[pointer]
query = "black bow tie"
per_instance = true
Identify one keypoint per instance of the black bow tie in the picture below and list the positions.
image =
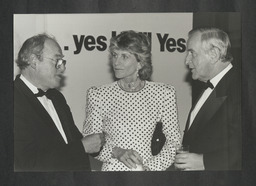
(208, 84)
(42, 93)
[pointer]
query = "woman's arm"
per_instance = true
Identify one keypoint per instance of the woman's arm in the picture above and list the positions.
(94, 123)
(171, 130)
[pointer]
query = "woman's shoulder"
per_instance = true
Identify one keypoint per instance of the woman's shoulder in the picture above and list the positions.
(103, 88)
(161, 86)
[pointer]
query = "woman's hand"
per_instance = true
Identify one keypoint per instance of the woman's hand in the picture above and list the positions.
(128, 157)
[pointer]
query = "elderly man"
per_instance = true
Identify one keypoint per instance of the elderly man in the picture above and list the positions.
(213, 129)
(45, 136)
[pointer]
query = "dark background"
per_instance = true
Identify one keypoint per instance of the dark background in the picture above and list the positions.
(246, 177)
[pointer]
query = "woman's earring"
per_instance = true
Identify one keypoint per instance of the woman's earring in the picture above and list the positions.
(138, 68)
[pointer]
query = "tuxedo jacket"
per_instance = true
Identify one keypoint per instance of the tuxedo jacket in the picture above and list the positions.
(216, 129)
(38, 145)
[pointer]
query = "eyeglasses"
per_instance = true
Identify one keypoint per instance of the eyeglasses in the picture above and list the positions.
(59, 62)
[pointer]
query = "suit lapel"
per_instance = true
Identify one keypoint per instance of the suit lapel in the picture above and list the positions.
(211, 106)
(207, 111)
(193, 106)
(61, 111)
(44, 116)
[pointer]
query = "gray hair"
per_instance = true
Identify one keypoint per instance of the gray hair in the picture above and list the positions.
(33, 45)
(214, 37)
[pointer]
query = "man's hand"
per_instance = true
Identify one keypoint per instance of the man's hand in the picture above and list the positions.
(189, 161)
(128, 157)
(92, 143)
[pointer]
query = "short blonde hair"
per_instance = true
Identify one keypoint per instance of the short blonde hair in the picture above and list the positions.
(137, 44)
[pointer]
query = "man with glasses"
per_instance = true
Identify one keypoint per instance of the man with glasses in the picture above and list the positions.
(45, 136)
(213, 129)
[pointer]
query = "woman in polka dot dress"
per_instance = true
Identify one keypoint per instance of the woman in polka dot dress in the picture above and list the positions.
(127, 110)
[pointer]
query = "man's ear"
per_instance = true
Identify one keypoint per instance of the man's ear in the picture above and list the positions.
(33, 61)
(214, 54)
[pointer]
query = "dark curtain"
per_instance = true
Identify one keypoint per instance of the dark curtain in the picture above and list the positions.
(237, 178)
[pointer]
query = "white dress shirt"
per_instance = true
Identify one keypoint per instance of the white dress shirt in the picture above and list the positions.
(48, 105)
(207, 93)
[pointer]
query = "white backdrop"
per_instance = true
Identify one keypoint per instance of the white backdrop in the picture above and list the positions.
(90, 66)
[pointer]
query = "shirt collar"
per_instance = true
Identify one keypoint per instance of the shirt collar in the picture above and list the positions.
(218, 77)
(30, 85)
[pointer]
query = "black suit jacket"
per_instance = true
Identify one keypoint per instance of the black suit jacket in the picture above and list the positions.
(216, 130)
(38, 145)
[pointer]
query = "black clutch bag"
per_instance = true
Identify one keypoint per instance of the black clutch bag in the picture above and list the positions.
(158, 139)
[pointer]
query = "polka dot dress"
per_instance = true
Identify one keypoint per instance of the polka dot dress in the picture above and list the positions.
(129, 119)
